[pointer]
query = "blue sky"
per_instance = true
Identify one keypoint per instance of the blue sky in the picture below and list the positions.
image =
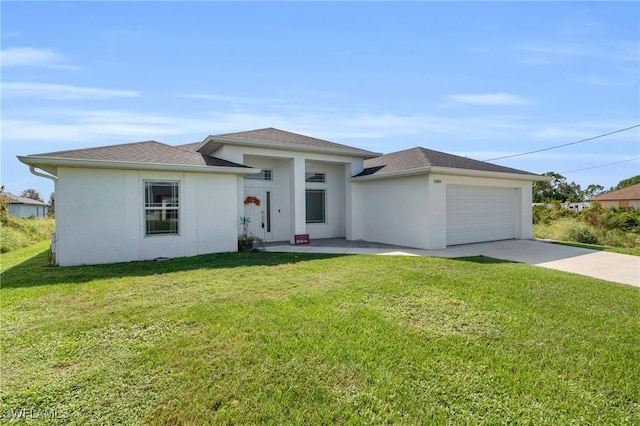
(478, 79)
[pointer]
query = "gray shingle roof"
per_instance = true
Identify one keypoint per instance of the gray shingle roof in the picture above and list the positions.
(629, 193)
(150, 152)
(14, 199)
(188, 146)
(271, 134)
(416, 158)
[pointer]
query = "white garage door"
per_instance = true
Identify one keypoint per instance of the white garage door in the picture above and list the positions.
(476, 214)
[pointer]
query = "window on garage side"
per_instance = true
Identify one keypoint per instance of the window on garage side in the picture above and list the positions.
(316, 205)
(161, 208)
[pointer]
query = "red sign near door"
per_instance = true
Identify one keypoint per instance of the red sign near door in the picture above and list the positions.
(301, 239)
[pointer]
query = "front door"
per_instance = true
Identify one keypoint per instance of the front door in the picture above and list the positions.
(255, 208)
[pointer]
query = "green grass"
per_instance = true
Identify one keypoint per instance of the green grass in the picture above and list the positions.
(266, 338)
(20, 233)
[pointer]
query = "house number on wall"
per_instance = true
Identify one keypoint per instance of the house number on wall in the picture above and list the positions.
(437, 181)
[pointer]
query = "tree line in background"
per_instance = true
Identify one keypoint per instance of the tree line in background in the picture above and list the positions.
(559, 190)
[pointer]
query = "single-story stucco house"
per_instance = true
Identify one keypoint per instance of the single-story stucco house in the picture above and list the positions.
(147, 200)
(625, 197)
(22, 207)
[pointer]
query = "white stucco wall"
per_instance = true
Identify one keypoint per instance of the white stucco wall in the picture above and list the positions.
(392, 211)
(279, 188)
(288, 188)
(412, 211)
(100, 216)
(334, 188)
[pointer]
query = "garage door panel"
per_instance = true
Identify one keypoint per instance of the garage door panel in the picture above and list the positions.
(476, 214)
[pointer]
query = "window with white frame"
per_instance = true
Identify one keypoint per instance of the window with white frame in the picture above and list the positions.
(263, 175)
(161, 208)
(316, 206)
(315, 177)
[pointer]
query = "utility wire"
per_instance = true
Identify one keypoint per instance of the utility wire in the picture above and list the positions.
(566, 144)
(602, 165)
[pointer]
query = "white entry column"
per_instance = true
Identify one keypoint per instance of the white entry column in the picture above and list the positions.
(298, 198)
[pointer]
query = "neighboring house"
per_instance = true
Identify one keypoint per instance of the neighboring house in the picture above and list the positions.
(146, 200)
(625, 197)
(25, 207)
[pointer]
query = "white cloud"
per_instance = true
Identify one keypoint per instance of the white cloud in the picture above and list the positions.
(617, 50)
(606, 82)
(54, 129)
(61, 91)
(571, 132)
(110, 126)
(58, 129)
(224, 98)
(14, 34)
(489, 99)
(29, 56)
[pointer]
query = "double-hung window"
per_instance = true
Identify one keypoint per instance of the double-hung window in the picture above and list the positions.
(161, 208)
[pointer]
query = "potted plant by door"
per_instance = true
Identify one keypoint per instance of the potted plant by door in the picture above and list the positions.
(246, 241)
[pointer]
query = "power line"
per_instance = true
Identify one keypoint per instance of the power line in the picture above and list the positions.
(566, 144)
(602, 165)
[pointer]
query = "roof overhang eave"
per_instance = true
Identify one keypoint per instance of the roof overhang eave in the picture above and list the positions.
(489, 174)
(393, 175)
(451, 171)
(43, 162)
(225, 140)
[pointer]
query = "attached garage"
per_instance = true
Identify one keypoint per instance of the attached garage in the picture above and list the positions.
(430, 200)
(476, 214)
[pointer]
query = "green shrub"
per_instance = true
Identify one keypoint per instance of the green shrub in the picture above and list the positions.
(546, 214)
(628, 219)
(581, 233)
(625, 219)
(618, 238)
(593, 215)
(542, 215)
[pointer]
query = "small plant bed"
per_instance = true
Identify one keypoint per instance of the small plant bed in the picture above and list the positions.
(290, 338)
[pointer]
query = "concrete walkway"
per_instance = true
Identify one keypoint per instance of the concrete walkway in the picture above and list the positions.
(619, 268)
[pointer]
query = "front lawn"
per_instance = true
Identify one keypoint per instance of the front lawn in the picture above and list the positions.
(264, 338)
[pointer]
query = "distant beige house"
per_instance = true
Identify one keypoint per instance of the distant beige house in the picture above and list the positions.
(625, 197)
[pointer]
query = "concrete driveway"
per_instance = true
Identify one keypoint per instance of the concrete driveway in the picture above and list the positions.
(619, 268)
